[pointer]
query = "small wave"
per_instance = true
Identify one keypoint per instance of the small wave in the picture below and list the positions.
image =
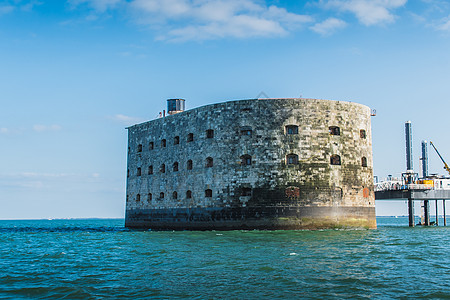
(33, 229)
(48, 293)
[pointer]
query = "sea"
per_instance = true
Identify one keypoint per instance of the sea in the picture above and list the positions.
(99, 258)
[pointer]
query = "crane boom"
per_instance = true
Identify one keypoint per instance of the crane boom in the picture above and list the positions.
(440, 156)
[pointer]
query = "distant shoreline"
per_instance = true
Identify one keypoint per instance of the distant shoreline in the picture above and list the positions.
(123, 218)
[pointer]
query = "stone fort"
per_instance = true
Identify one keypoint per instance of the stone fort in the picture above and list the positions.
(252, 164)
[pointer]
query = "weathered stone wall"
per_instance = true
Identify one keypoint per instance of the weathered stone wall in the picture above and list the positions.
(254, 129)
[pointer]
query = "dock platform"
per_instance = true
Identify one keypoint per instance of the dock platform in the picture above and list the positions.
(415, 193)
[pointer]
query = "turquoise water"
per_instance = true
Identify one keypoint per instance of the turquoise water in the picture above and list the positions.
(92, 259)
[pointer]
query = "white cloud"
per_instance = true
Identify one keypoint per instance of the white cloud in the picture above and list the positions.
(444, 25)
(182, 20)
(98, 5)
(42, 128)
(5, 9)
(237, 26)
(127, 120)
(368, 12)
(11, 131)
(42, 175)
(329, 26)
(43, 180)
(30, 5)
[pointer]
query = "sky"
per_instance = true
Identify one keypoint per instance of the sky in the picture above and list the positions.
(75, 73)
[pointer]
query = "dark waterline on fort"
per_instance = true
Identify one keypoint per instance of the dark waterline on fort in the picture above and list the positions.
(91, 259)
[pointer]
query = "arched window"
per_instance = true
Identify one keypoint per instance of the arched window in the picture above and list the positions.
(335, 159)
(334, 130)
(163, 143)
(174, 195)
(209, 133)
(246, 160)
(209, 162)
(292, 159)
(291, 129)
(189, 194)
(364, 161)
(175, 166)
(151, 146)
(176, 140)
(138, 173)
(150, 170)
(161, 195)
(138, 197)
(149, 197)
(139, 148)
(189, 165)
(208, 193)
(190, 137)
(362, 134)
(163, 168)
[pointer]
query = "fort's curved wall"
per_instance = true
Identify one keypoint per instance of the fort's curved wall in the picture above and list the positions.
(271, 167)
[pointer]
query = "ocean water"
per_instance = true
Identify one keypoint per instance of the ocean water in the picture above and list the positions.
(95, 259)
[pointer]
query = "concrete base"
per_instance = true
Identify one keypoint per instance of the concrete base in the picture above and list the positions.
(268, 218)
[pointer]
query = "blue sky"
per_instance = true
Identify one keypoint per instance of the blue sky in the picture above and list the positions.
(74, 74)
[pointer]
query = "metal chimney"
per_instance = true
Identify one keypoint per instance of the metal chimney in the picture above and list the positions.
(424, 159)
(409, 157)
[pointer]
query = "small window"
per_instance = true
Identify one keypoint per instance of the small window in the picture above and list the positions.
(292, 159)
(246, 160)
(190, 137)
(208, 193)
(209, 133)
(138, 197)
(189, 165)
(291, 129)
(129, 149)
(128, 173)
(335, 159)
(334, 130)
(163, 168)
(149, 198)
(163, 143)
(188, 194)
(151, 146)
(139, 148)
(161, 195)
(246, 192)
(209, 162)
(362, 134)
(246, 131)
(150, 170)
(138, 173)
(364, 161)
(174, 195)
(175, 166)
(176, 140)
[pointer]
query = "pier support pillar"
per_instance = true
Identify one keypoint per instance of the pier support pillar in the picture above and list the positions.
(443, 207)
(426, 211)
(411, 212)
(437, 214)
